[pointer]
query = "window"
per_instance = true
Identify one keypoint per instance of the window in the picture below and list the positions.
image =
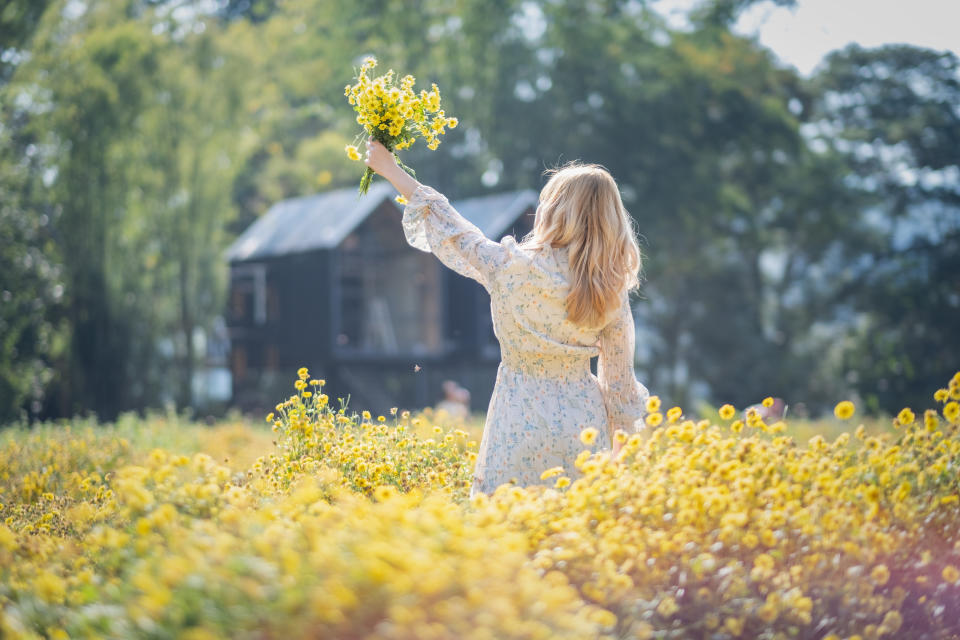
(248, 293)
(238, 363)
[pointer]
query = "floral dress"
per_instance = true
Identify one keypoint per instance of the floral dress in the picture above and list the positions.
(545, 393)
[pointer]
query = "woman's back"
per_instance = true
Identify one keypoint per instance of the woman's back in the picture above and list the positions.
(529, 315)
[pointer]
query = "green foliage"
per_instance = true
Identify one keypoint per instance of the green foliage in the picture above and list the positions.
(140, 146)
(30, 295)
(892, 113)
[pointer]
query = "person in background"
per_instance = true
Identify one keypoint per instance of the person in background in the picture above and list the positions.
(456, 400)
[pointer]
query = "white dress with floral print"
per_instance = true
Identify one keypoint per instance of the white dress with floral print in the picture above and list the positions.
(545, 393)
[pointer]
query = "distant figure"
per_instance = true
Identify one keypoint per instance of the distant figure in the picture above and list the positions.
(456, 400)
(559, 297)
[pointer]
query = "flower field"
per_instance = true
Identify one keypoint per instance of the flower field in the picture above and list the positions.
(324, 523)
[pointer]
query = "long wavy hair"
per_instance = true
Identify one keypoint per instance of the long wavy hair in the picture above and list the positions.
(580, 207)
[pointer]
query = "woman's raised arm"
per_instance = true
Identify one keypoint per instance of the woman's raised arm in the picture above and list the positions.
(430, 223)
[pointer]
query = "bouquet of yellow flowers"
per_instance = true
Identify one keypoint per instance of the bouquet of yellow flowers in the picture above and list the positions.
(394, 114)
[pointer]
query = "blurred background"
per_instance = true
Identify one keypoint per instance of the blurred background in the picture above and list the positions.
(793, 168)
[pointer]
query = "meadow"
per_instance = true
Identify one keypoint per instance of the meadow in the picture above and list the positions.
(322, 522)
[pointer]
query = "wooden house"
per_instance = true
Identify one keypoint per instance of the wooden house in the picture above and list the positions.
(328, 281)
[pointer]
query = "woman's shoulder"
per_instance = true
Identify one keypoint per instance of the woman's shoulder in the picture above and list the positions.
(512, 247)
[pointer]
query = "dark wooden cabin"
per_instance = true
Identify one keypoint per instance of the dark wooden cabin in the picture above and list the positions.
(328, 281)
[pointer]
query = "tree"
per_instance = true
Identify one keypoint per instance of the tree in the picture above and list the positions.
(86, 81)
(184, 181)
(137, 122)
(893, 113)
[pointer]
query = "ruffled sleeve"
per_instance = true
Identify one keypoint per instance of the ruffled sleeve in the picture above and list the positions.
(623, 396)
(431, 224)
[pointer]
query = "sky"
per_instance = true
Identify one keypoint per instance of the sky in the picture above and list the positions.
(802, 35)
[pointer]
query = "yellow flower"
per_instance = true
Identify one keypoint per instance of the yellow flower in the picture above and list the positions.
(727, 411)
(302, 373)
(905, 416)
(667, 607)
(844, 410)
(552, 471)
(767, 402)
(950, 573)
(384, 492)
(941, 395)
(352, 152)
(674, 414)
(49, 587)
(880, 574)
(653, 404)
(401, 200)
(588, 436)
(734, 626)
(562, 481)
(654, 419)
(951, 411)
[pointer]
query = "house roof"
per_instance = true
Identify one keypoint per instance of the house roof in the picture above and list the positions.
(323, 220)
(318, 221)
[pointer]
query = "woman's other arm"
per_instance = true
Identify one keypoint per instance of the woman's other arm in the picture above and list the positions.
(625, 398)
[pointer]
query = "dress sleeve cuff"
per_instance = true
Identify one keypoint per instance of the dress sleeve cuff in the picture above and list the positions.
(414, 214)
(627, 410)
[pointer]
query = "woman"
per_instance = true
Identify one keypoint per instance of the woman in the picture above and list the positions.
(558, 298)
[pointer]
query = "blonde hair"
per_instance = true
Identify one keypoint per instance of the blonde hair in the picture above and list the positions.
(580, 207)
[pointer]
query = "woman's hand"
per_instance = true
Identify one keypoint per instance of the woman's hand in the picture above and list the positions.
(379, 159)
(383, 162)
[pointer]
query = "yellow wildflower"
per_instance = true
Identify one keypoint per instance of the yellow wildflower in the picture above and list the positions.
(552, 471)
(950, 573)
(951, 411)
(880, 574)
(653, 404)
(844, 410)
(905, 416)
